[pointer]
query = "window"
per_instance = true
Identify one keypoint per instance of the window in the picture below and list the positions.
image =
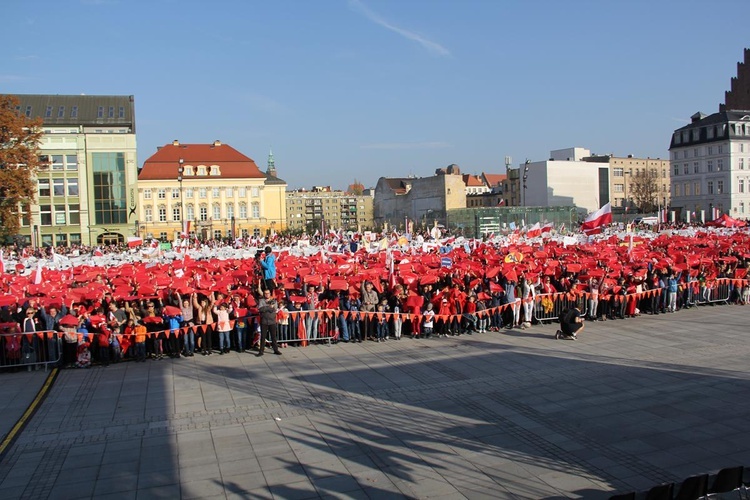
(72, 186)
(189, 193)
(217, 211)
(242, 192)
(217, 234)
(696, 152)
(741, 186)
(720, 149)
(162, 213)
(215, 170)
(245, 233)
(719, 187)
(58, 187)
(676, 190)
(243, 211)
(48, 112)
(57, 162)
(710, 150)
(121, 112)
(676, 169)
(188, 170)
(28, 111)
(710, 165)
(161, 194)
(110, 194)
(175, 194)
(697, 188)
(685, 169)
(111, 113)
(677, 139)
(148, 213)
(147, 194)
(742, 164)
(204, 212)
(215, 192)
(719, 164)
(255, 192)
(176, 214)
(61, 112)
(190, 212)
(229, 192)
(710, 187)
(100, 112)
(45, 214)
(742, 148)
(256, 210)
(618, 188)
(60, 215)
(74, 213)
(696, 134)
(256, 232)
(742, 208)
(686, 189)
(74, 112)
(696, 167)
(202, 170)
(44, 187)
(202, 193)
(163, 236)
(230, 210)
(71, 162)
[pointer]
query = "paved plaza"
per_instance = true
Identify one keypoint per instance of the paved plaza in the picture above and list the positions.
(512, 415)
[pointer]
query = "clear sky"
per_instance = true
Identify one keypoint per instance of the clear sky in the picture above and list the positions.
(345, 89)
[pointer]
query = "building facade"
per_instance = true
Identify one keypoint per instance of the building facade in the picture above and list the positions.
(710, 157)
(322, 207)
(88, 180)
(219, 191)
(422, 200)
(627, 171)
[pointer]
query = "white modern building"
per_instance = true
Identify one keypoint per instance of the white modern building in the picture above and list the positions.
(710, 157)
(564, 180)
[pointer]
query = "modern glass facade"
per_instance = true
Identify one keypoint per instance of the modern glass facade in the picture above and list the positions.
(110, 201)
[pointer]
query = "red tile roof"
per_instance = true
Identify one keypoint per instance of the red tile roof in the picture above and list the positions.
(473, 180)
(494, 179)
(163, 164)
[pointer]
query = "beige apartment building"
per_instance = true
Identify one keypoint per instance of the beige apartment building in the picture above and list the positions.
(327, 209)
(625, 172)
(219, 191)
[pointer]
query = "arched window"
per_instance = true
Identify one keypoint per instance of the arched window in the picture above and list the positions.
(217, 211)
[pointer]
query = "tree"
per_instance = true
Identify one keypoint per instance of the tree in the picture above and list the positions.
(19, 161)
(356, 188)
(644, 187)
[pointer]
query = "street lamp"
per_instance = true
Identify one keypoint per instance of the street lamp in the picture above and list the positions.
(180, 172)
(525, 178)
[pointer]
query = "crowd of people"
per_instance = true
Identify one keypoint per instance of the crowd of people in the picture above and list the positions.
(388, 290)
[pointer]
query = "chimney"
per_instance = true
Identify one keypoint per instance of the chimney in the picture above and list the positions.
(175, 143)
(217, 143)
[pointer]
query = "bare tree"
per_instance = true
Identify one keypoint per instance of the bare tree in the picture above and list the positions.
(644, 188)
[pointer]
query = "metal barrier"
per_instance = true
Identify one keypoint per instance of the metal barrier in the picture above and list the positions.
(30, 350)
(559, 303)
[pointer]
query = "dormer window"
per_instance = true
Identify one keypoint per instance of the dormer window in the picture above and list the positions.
(188, 170)
(215, 170)
(202, 170)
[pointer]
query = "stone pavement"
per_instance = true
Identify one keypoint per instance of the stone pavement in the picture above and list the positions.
(513, 415)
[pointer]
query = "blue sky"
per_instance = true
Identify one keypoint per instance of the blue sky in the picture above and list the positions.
(345, 89)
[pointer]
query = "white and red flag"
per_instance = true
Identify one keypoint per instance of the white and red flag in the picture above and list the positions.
(594, 222)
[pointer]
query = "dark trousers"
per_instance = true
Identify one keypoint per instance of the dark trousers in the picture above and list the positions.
(268, 330)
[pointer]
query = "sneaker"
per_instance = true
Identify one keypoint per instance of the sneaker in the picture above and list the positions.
(558, 334)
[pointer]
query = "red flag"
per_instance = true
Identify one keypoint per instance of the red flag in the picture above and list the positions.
(548, 227)
(534, 231)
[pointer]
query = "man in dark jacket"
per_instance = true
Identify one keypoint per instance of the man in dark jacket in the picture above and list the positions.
(267, 307)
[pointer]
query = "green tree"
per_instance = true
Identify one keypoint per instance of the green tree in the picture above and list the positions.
(19, 160)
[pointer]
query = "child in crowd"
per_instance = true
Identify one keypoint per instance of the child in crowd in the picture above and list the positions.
(429, 321)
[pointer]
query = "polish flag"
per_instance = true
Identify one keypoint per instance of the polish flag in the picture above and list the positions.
(534, 231)
(597, 220)
(38, 274)
(134, 241)
(548, 227)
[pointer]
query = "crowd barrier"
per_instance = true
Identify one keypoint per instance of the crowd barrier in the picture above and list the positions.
(327, 326)
(31, 351)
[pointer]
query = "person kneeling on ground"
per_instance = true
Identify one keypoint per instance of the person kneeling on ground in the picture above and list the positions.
(571, 323)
